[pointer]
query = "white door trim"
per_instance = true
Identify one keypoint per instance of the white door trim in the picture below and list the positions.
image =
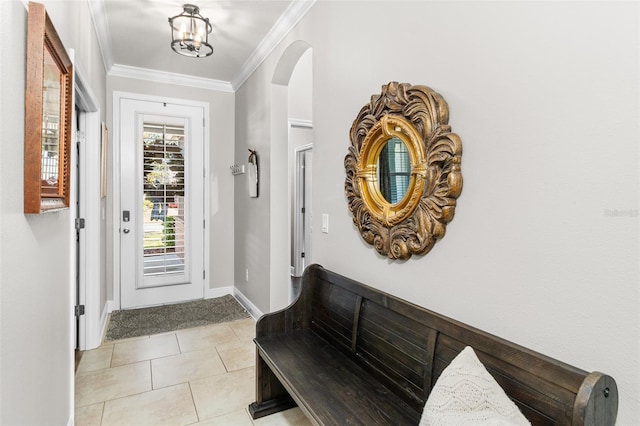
(90, 243)
(293, 178)
(92, 322)
(298, 194)
(117, 97)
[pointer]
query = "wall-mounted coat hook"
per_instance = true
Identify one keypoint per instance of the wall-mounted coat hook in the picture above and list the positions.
(237, 169)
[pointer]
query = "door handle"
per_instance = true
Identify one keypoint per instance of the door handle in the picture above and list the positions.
(126, 230)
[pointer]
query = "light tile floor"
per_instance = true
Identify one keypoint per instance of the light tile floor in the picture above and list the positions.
(198, 376)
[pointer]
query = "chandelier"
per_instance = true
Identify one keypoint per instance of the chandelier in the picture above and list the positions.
(190, 33)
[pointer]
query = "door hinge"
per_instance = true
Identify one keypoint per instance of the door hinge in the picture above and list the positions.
(302, 210)
(204, 223)
(79, 310)
(79, 223)
(302, 255)
(203, 275)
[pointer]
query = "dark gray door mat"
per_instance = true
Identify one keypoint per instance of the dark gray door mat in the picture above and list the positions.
(161, 319)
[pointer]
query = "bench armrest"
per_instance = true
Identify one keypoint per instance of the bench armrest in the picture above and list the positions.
(597, 401)
(293, 317)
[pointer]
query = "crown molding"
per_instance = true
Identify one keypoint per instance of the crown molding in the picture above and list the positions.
(169, 78)
(294, 13)
(98, 12)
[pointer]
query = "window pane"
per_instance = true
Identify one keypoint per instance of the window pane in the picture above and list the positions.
(164, 200)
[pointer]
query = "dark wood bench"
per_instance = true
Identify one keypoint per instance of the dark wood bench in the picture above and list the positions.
(346, 353)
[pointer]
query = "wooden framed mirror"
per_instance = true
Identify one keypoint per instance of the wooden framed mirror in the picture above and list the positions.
(48, 114)
(403, 170)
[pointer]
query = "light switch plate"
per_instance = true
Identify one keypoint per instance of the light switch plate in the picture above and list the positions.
(325, 223)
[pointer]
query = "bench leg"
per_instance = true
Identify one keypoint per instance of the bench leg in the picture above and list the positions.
(271, 396)
(269, 407)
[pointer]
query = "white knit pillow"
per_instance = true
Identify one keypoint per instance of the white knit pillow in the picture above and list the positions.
(467, 394)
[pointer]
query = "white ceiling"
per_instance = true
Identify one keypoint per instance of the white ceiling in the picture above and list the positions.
(135, 37)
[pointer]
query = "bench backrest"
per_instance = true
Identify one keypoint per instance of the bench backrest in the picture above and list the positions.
(407, 347)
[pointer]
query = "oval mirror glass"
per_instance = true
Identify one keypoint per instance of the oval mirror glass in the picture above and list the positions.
(394, 170)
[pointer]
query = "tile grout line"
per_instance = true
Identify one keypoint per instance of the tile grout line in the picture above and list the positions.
(226, 370)
(178, 340)
(113, 348)
(104, 403)
(193, 400)
(151, 372)
(235, 332)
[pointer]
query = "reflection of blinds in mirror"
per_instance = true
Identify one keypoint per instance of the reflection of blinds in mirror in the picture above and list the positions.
(164, 199)
(50, 170)
(395, 171)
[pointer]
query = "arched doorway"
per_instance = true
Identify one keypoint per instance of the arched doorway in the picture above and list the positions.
(281, 170)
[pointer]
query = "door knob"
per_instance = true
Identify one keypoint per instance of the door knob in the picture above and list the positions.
(125, 230)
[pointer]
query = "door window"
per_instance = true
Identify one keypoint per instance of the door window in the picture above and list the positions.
(164, 200)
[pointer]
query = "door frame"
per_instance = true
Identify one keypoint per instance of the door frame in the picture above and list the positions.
(90, 324)
(118, 96)
(299, 192)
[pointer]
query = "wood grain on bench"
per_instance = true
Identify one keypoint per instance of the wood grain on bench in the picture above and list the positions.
(349, 354)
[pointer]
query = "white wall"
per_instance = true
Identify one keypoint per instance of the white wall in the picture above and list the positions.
(251, 230)
(36, 337)
(221, 139)
(262, 225)
(300, 88)
(544, 248)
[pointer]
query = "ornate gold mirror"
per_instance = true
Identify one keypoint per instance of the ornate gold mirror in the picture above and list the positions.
(403, 170)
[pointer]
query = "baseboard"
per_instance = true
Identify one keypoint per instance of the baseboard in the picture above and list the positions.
(211, 293)
(104, 319)
(250, 307)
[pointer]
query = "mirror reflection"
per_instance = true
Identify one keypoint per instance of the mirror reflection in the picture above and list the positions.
(50, 126)
(394, 170)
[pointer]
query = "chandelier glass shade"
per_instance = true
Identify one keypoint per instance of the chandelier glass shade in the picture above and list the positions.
(190, 33)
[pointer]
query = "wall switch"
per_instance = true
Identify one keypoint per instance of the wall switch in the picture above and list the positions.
(325, 223)
(246, 275)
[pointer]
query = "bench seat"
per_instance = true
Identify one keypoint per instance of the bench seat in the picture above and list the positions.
(347, 353)
(327, 385)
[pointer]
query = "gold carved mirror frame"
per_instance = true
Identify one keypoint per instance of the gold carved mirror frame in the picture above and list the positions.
(418, 117)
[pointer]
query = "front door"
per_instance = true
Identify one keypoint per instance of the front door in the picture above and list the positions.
(162, 203)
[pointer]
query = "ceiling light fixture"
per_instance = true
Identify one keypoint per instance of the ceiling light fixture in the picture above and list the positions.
(190, 33)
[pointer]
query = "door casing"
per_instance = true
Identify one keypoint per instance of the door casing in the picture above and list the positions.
(91, 256)
(302, 189)
(118, 96)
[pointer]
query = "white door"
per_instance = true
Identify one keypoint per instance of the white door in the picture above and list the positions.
(303, 211)
(162, 203)
(307, 211)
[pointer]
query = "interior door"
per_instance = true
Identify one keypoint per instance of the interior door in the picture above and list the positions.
(308, 209)
(79, 137)
(162, 203)
(303, 210)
